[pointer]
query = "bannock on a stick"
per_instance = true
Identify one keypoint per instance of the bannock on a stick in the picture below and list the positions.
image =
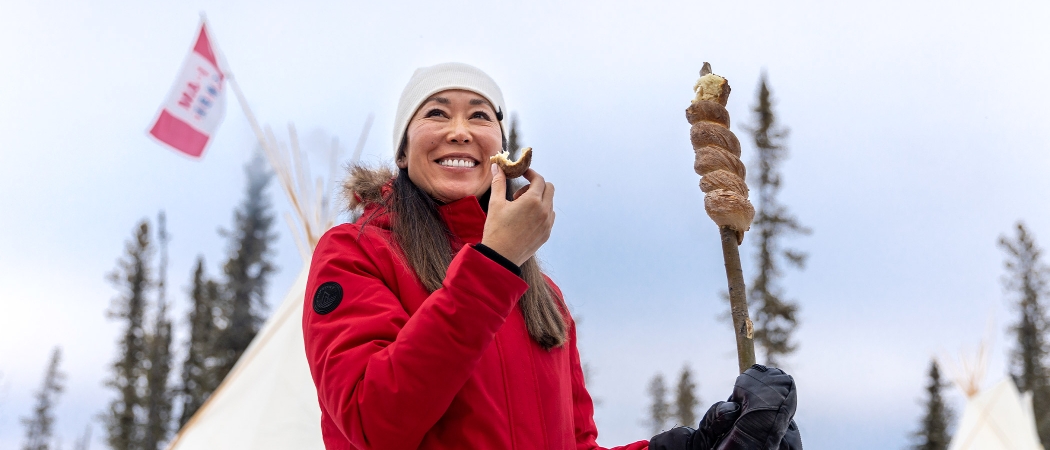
(718, 155)
(725, 194)
(513, 169)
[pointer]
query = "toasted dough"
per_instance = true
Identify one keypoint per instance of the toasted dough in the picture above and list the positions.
(723, 179)
(718, 155)
(712, 88)
(703, 134)
(707, 111)
(711, 158)
(513, 169)
(727, 208)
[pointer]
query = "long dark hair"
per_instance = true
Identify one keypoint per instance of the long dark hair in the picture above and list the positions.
(426, 243)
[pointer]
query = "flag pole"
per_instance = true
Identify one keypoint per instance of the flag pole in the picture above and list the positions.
(225, 68)
(247, 110)
(226, 72)
(269, 151)
(288, 172)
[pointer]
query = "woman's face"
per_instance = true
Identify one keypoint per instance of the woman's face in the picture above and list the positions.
(450, 140)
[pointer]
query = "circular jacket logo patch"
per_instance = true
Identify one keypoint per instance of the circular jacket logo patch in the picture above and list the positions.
(327, 297)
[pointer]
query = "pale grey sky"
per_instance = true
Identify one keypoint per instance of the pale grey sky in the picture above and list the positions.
(918, 136)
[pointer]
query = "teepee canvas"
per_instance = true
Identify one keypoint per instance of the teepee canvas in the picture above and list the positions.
(268, 400)
(999, 418)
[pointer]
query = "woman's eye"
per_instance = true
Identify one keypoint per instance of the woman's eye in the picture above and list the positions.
(435, 113)
(480, 115)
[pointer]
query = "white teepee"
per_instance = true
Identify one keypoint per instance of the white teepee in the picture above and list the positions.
(268, 400)
(997, 418)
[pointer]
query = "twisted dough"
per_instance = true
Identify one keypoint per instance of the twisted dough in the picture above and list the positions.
(718, 156)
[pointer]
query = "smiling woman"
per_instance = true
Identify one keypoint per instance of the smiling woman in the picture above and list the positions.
(432, 324)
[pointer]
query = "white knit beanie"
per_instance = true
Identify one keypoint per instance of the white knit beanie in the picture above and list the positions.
(427, 81)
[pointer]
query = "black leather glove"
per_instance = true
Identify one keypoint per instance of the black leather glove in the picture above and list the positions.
(718, 420)
(767, 401)
(792, 439)
(758, 416)
(715, 423)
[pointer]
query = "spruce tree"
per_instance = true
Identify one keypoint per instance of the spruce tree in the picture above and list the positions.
(1026, 278)
(40, 425)
(659, 410)
(513, 136)
(247, 268)
(159, 394)
(685, 399)
(133, 278)
(775, 317)
(198, 381)
(158, 360)
(933, 432)
(514, 147)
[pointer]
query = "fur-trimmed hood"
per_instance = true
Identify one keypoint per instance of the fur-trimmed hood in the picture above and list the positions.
(366, 185)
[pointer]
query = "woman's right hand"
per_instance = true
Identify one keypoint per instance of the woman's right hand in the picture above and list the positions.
(517, 229)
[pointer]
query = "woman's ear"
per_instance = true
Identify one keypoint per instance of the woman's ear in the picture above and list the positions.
(402, 154)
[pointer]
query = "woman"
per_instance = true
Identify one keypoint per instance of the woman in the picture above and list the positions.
(430, 324)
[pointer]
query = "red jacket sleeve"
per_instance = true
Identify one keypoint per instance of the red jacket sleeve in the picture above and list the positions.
(583, 405)
(384, 377)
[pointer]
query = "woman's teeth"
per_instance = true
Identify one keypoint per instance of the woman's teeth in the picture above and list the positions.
(457, 163)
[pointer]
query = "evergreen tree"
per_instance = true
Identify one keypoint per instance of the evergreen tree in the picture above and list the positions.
(933, 432)
(685, 399)
(159, 395)
(1026, 277)
(775, 317)
(198, 381)
(247, 268)
(134, 279)
(40, 425)
(513, 136)
(659, 410)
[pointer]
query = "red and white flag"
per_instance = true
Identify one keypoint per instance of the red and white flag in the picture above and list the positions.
(196, 104)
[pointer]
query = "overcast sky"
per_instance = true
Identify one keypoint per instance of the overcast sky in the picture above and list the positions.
(918, 137)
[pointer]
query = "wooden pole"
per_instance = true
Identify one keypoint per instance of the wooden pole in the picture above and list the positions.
(742, 326)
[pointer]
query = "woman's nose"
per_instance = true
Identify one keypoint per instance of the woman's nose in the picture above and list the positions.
(460, 132)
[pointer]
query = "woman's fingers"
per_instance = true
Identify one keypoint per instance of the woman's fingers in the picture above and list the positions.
(517, 229)
(536, 182)
(531, 175)
(499, 183)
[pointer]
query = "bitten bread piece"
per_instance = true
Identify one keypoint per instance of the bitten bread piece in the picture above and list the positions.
(513, 169)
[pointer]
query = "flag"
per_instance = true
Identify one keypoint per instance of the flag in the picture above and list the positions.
(196, 104)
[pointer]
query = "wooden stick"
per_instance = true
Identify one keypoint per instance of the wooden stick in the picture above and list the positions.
(742, 326)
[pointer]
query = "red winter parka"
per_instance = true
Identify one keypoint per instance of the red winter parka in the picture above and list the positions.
(397, 367)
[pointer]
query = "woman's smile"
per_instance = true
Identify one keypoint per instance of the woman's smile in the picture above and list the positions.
(457, 162)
